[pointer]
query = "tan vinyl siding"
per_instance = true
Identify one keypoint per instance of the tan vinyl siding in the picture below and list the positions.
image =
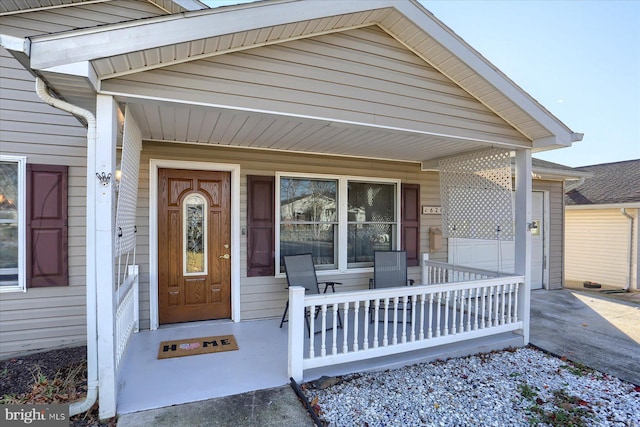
(44, 318)
(77, 16)
(556, 218)
(264, 297)
(362, 75)
(597, 246)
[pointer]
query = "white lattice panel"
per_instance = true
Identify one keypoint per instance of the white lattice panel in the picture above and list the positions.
(476, 196)
(128, 193)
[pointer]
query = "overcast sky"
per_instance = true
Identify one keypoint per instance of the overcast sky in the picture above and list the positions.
(579, 59)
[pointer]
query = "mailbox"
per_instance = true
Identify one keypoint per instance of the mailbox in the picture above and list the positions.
(435, 239)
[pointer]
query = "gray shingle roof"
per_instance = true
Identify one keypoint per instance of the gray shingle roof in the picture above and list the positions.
(611, 183)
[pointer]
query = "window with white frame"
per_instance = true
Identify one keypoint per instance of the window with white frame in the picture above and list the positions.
(12, 223)
(340, 220)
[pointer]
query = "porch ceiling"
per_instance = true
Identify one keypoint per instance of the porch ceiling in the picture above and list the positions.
(171, 122)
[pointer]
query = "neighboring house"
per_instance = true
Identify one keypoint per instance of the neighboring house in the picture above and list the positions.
(209, 113)
(602, 227)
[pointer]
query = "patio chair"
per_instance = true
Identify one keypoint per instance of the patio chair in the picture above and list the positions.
(389, 271)
(301, 271)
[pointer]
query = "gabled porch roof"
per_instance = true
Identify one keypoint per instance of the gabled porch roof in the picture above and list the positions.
(79, 63)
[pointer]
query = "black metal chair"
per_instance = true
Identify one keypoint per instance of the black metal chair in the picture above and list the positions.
(301, 271)
(390, 271)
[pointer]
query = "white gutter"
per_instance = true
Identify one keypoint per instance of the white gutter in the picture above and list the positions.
(623, 211)
(92, 336)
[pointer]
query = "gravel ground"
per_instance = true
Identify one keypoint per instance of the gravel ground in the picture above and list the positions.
(522, 387)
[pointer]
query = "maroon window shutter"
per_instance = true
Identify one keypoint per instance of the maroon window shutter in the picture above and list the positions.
(260, 226)
(47, 226)
(410, 208)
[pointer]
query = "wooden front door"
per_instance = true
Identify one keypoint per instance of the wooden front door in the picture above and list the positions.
(194, 238)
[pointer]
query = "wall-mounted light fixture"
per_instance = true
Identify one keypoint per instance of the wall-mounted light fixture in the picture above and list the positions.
(104, 179)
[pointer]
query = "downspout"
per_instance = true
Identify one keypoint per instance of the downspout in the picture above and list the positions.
(623, 211)
(92, 328)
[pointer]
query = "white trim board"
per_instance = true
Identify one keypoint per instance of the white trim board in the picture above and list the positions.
(154, 165)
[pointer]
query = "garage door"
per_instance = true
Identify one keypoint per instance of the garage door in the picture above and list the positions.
(497, 255)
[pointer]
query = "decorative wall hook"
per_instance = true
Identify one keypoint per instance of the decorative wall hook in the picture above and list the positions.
(104, 179)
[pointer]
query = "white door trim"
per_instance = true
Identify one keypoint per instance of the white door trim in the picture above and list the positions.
(154, 165)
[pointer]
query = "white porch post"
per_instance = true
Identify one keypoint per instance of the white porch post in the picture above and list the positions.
(103, 256)
(523, 236)
(296, 332)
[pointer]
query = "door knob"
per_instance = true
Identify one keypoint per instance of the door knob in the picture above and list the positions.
(225, 256)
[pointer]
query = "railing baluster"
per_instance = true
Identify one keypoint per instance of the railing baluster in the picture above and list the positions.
(516, 306)
(503, 304)
(475, 310)
(334, 335)
(421, 334)
(394, 339)
(365, 339)
(453, 312)
(345, 328)
(438, 309)
(312, 326)
(377, 321)
(413, 303)
(323, 332)
(430, 320)
(483, 312)
(509, 319)
(405, 302)
(489, 306)
(447, 297)
(469, 309)
(496, 312)
(385, 326)
(356, 312)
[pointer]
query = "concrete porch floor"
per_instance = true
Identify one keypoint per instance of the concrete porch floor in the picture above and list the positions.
(145, 382)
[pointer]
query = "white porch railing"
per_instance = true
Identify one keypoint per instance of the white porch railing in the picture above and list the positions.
(426, 316)
(435, 272)
(126, 312)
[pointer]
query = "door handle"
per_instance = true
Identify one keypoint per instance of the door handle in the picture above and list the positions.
(225, 256)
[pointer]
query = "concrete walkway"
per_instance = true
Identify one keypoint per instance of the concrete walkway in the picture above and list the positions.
(599, 332)
(276, 407)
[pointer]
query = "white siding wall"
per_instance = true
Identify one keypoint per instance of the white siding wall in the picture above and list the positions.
(597, 247)
(362, 75)
(264, 297)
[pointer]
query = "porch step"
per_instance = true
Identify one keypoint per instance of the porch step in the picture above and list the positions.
(459, 349)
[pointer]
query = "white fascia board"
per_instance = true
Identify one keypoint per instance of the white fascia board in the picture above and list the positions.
(457, 46)
(80, 69)
(88, 44)
(629, 205)
(15, 44)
